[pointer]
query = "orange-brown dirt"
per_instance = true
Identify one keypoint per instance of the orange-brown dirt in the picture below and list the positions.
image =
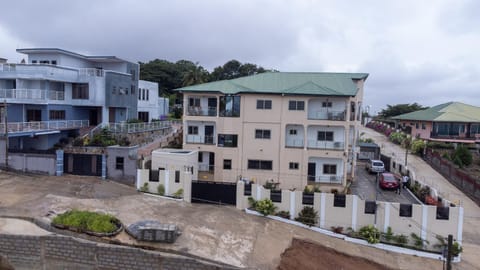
(307, 255)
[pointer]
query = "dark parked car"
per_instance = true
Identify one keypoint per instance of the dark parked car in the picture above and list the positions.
(388, 181)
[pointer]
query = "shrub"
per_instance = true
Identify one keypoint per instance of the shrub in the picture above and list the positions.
(134, 121)
(87, 221)
(418, 241)
(265, 207)
(418, 146)
(144, 188)
(161, 189)
(307, 216)
(456, 249)
(77, 142)
(308, 190)
(462, 156)
(283, 214)
(389, 234)
(401, 239)
(178, 193)
(370, 233)
(124, 141)
(397, 137)
(252, 202)
(446, 156)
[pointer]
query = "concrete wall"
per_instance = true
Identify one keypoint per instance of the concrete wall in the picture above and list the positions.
(61, 252)
(128, 173)
(423, 221)
(34, 163)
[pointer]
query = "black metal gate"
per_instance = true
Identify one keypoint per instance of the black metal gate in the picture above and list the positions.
(80, 164)
(386, 162)
(214, 192)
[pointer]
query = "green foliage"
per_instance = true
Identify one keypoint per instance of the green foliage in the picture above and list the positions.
(418, 241)
(397, 137)
(308, 190)
(252, 202)
(401, 239)
(134, 121)
(308, 216)
(103, 138)
(87, 221)
(418, 146)
(389, 234)
(456, 249)
(394, 110)
(265, 207)
(446, 156)
(462, 156)
(144, 188)
(271, 185)
(161, 189)
(370, 233)
(365, 140)
(283, 214)
(178, 193)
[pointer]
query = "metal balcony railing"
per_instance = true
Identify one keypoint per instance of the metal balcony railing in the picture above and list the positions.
(294, 143)
(140, 127)
(202, 111)
(328, 179)
(35, 94)
(200, 139)
(14, 127)
(325, 114)
(314, 144)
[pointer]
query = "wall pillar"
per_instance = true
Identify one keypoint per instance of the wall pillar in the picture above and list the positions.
(187, 187)
(59, 163)
(240, 192)
(104, 166)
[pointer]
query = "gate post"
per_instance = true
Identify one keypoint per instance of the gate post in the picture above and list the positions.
(240, 195)
(104, 166)
(59, 163)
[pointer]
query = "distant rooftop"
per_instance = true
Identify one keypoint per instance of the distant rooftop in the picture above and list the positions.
(447, 112)
(65, 52)
(289, 83)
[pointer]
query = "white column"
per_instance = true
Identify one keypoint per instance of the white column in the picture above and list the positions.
(167, 182)
(386, 223)
(105, 115)
(259, 192)
(424, 222)
(354, 212)
(292, 205)
(322, 210)
(460, 225)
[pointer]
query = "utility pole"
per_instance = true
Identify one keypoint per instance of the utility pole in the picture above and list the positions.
(449, 252)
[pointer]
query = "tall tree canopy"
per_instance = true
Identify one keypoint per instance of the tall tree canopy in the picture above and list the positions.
(394, 110)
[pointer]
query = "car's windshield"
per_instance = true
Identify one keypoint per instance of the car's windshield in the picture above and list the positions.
(389, 178)
(379, 164)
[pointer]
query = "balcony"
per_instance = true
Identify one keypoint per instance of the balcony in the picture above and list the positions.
(200, 139)
(17, 127)
(32, 94)
(325, 114)
(202, 111)
(326, 179)
(325, 145)
(294, 143)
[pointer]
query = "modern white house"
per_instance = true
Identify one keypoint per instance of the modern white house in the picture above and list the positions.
(150, 105)
(295, 128)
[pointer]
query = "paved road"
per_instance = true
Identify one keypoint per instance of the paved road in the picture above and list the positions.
(426, 174)
(365, 187)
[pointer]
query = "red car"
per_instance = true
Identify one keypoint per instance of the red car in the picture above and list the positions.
(388, 181)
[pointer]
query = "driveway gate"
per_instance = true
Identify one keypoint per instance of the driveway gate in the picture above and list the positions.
(214, 192)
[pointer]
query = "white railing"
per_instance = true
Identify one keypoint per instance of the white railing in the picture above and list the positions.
(37, 94)
(139, 127)
(43, 125)
(332, 179)
(314, 144)
(91, 72)
(324, 114)
(200, 139)
(202, 111)
(294, 143)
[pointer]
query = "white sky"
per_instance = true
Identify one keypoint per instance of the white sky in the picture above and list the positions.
(414, 50)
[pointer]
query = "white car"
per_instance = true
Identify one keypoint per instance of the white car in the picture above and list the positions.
(375, 166)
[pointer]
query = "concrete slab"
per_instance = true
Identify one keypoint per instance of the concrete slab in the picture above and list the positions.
(19, 227)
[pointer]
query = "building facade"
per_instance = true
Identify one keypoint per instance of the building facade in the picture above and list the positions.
(150, 105)
(290, 128)
(57, 92)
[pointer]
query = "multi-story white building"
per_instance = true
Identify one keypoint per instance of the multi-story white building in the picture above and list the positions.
(150, 105)
(292, 128)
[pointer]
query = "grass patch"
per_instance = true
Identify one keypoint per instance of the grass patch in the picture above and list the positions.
(87, 221)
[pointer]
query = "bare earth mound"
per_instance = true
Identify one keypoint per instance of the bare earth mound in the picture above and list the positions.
(310, 256)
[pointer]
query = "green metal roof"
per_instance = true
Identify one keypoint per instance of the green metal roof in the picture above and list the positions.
(291, 83)
(447, 112)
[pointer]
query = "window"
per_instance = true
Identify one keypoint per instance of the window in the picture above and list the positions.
(148, 92)
(443, 212)
(339, 200)
(119, 163)
(405, 210)
(330, 169)
(230, 106)
(292, 132)
(194, 102)
(54, 62)
(79, 90)
(424, 126)
(327, 104)
(57, 115)
(227, 164)
(370, 207)
(325, 136)
(192, 130)
(143, 116)
(227, 140)
(140, 93)
(264, 104)
(177, 176)
(416, 125)
(44, 62)
(200, 157)
(262, 134)
(154, 176)
(293, 165)
(34, 61)
(296, 105)
(259, 164)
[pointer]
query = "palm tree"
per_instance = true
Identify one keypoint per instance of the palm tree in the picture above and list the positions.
(196, 75)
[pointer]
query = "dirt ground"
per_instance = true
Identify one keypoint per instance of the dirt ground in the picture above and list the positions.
(303, 254)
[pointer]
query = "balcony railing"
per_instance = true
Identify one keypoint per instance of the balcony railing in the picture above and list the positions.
(200, 139)
(36, 94)
(328, 179)
(205, 168)
(327, 115)
(314, 144)
(43, 125)
(139, 127)
(202, 111)
(294, 143)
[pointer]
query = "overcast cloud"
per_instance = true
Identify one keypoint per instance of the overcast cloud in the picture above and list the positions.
(415, 51)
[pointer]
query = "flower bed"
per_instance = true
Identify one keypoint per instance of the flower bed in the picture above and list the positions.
(88, 222)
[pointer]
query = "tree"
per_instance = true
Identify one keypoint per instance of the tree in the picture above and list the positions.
(234, 69)
(195, 75)
(462, 156)
(394, 110)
